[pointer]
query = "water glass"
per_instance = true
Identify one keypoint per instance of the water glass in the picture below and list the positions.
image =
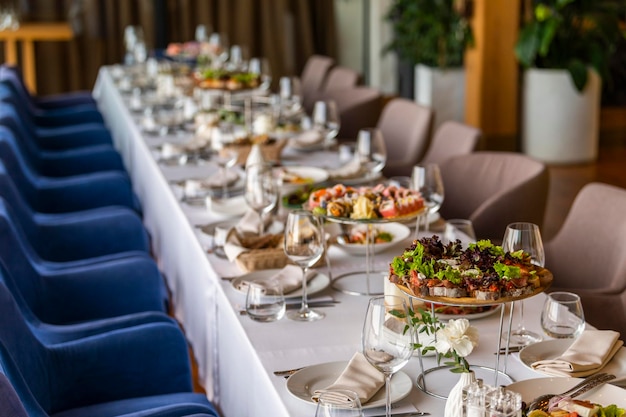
(265, 301)
(461, 229)
(562, 316)
(372, 151)
(349, 404)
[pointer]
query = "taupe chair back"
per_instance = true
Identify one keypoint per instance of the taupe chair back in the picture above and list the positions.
(406, 127)
(341, 77)
(451, 139)
(313, 77)
(358, 107)
(589, 250)
(493, 189)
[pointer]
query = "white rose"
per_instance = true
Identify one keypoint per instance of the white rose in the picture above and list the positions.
(457, 336)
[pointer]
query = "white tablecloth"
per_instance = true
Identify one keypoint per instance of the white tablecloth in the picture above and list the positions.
(236, 356)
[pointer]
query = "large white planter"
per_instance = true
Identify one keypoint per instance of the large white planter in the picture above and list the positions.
(559, 124)
(443, 90)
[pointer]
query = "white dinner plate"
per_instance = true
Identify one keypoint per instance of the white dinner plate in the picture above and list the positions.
(313, 175)
(303, 383)
(532, 388)
(550, 349)
(316, 284)
(399, 232)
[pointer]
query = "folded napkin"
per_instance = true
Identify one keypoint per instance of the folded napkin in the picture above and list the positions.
(587, 355)
(349, 170)
(359, 376)
(290, 278)
(308, 138)
(249, 224)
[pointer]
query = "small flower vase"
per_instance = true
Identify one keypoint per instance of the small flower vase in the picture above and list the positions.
(454, 403)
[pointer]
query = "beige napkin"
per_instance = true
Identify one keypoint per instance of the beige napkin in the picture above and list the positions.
(349, 170)
(359, 376)
(290, 278)
(587, 355)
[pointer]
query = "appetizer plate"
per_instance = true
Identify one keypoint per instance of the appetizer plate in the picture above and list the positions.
(399, 232)
(550, 349)
(544, 275)
(316, 284)
(303, 383)
(305, 176)
(532, 388)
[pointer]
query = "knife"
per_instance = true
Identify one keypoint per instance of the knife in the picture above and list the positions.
(409, 414)
(292, 306)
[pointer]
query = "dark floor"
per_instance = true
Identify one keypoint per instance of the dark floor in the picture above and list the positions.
(566, 181)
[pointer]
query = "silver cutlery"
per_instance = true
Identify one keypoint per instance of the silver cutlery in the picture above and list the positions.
(408, 414)
(512, 349)
(288, 372)
(294, 306)
(541, 402)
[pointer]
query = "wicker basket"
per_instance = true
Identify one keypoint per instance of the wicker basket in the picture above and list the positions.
(271, 151)
(256, 259)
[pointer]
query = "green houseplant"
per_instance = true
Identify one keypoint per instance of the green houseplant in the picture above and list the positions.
(431, 36)
(571, 34)
(430, 32)
(565, 47)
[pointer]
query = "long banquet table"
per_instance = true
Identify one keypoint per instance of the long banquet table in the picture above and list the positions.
(237, 356)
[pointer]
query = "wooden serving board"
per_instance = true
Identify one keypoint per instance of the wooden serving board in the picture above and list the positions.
(545, 279)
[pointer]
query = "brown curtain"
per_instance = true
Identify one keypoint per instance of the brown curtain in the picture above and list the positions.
(286, 32)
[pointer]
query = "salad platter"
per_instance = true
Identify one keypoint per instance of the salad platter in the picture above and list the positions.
(481, 274)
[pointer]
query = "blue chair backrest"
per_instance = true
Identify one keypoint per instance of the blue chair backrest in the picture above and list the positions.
(27, 147)
(20, 259)
(13, 388)
(30, 357)
(21, 208)
(20, 170)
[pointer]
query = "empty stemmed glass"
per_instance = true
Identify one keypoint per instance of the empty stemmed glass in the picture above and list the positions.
(387, 338)
(304, 244)
(527, 237)
(261, 190)
(427, 180)
(326, 120)
(370, 147)
(225, 157)
(261, 68)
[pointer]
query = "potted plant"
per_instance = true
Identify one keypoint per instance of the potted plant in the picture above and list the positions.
(566, 47)
(432, 35)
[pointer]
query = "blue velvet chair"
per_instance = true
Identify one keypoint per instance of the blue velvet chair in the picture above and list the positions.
(80, 290)
(125, 371)
(67, 236)
(63, 162)
(54, 111)
(73, 193)
(58, 137)
(48, 333)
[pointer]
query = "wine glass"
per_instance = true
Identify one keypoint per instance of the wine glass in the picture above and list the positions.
(387, 338)
(218, 48)
(562, 315)
(304, 244)
(261, 68)
(527, 237)
(225, 158)
(349, 404)
(427, 180)
(370, 147)
(326, 120)
(261, 190)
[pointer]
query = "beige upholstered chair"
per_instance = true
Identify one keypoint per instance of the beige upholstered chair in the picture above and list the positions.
(588, 254)
(341, 77)
(493, 189)
(313, 77)
(406, 127)
(451, 139)
(358, 107)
